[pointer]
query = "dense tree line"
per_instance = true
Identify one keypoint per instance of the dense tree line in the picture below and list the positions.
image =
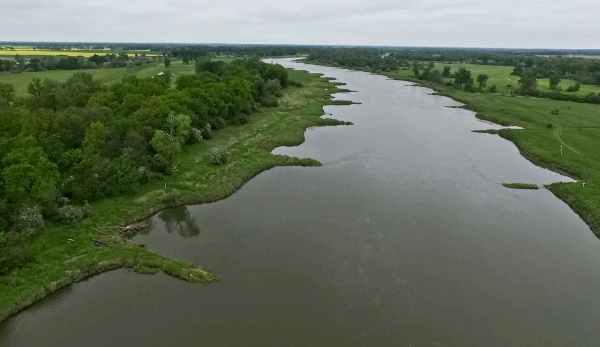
(70, 143)
(20, 64)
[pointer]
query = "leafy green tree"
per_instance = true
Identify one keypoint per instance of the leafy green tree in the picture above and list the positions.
(167, 62)
(554, 82)
(482, 81)
(446, 72)
(167, 148)
(416, 70)
(435, 76)
(7, 92)
(463, 79)
(528, 84)
(28, 175)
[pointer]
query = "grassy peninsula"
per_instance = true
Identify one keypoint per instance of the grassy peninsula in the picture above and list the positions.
(67, 254)
(526, 186)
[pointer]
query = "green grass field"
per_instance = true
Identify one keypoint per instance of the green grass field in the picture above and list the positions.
(502, 78)
(575, 130)
(60, 262)
(105, 76)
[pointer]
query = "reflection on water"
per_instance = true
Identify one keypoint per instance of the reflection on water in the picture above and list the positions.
(177, 219)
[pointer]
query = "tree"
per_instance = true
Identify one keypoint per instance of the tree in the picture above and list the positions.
(462, 78)
(416, 69)
(28, 175)
(446, 72)
(431, 64)
(554, 81)
(435, 76)
(186, 60)
(482, 81)
(7, 92)
(167, 62)
(528, 84)
(167, 148)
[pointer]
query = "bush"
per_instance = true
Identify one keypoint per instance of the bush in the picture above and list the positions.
(549, 126)
(493, 89)
(196, 135)
(13, 253)
(171, 198)
(219, 156)
(70, 214)
(30, 220)
(574, 88)
(555, 112)
(206, 132)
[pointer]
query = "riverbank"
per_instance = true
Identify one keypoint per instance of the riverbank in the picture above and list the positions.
(566, 142)
(65, 255)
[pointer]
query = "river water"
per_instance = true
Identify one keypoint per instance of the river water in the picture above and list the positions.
(405, 237)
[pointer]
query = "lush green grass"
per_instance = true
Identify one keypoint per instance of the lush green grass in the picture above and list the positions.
(105, 76)
(502, 78)
(60, 262)
(521, 186)
(575, 130)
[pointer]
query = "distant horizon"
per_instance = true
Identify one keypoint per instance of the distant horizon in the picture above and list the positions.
(291, 45)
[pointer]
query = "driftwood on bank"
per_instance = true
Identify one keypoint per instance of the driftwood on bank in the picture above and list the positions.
(131, 230)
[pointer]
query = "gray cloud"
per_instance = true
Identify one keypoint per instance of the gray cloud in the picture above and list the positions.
(460, 23)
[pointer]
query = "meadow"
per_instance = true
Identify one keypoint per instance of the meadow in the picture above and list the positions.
(502, 78)
(105, 76)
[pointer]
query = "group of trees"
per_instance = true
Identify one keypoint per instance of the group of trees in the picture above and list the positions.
(74, 142)
(20, 64)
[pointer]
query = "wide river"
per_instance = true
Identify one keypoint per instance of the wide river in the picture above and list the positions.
(405, 237)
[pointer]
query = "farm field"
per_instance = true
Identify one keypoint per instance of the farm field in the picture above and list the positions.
(105, 76)
(28, 51)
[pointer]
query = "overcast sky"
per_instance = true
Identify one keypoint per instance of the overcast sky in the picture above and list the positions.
(457, 23)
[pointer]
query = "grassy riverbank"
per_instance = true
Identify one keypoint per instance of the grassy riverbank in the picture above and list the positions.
(567, 141)
(67, 254)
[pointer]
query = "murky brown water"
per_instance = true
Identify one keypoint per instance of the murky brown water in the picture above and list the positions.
(404, 237)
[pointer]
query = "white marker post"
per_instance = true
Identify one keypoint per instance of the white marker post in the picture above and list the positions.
(561, 149)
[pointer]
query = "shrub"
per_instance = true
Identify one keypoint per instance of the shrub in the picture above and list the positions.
(30, 220)
(574, 88)
(206, 132)
(171, 198)
(219, 156)
(549, 125)
(196, 135)
(555, 112)
(493, 89)
(13, 253)
(70, 214)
